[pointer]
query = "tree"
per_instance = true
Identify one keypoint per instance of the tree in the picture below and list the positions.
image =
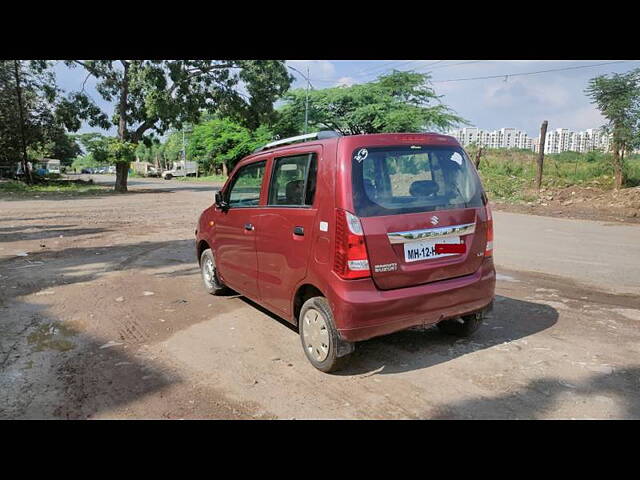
(618, 99)
(156, 95)
(398, 102)
(30, 125)
(95, 144)
(221, 143)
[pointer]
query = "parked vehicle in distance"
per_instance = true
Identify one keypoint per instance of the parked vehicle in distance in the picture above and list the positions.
(111, 169)
(354, 237)
(88, 170)
(181, 169)
(153, 172)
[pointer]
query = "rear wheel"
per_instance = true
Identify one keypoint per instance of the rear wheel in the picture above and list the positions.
(210, 278)
(462, 326)
(319, 336)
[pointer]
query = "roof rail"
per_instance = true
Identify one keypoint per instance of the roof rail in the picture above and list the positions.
(322, 135)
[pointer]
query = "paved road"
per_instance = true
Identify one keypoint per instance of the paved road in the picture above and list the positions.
(597, 254)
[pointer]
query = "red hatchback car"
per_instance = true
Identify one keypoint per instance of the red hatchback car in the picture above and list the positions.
(352, 237)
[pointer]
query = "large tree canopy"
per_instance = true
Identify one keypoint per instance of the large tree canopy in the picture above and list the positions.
(223, 142)
(158, 95)
(618, 99)
(398, 102)
(33, 119)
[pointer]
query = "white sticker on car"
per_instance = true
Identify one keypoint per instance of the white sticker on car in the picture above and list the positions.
(361, 155)
(324, 227)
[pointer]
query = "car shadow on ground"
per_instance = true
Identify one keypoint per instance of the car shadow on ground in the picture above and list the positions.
(542, 395)
(418, 348)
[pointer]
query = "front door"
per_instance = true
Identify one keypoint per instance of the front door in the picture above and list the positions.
(286, 228)
(235, 230)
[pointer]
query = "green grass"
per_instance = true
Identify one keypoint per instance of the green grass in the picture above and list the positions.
(207, 178)
(510, 175)
(52, 187)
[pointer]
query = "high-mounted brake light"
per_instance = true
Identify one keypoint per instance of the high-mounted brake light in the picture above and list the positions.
(488, 251)
(351, 259)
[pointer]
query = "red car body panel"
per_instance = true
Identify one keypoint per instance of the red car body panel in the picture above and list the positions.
(270, 264)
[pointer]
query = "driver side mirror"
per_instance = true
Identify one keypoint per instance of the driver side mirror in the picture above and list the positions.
(219, 201)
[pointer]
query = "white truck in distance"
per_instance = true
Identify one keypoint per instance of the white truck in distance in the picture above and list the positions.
(181, 169)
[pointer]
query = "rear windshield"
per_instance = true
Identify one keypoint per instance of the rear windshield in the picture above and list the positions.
(411, 179)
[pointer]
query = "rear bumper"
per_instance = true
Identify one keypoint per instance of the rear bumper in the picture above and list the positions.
(362, 311)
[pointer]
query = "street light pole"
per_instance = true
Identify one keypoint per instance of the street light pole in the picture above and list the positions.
(306, 106)
(306, 103)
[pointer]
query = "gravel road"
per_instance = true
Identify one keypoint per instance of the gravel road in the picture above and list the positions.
(105, 317)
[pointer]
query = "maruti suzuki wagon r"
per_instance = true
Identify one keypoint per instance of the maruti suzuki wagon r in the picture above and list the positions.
(352, 237)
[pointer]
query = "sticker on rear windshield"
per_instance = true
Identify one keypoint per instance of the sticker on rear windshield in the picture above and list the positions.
(361, 155)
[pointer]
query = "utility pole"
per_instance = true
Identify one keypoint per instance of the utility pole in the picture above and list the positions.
(306, 106)
(543, 137)
(306, 103)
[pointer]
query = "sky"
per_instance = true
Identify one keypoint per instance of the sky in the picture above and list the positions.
(521, 101)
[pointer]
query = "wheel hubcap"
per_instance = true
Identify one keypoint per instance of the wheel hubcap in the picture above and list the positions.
(209, 273)
(315, 334)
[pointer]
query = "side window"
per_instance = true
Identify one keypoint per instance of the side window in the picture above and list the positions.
(245, 189)
(293, 182)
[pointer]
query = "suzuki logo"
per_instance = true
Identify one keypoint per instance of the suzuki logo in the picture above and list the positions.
(434, 220)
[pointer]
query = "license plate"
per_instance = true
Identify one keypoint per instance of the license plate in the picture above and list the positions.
(415, 251)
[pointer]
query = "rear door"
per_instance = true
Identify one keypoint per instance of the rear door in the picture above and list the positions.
(286, 229)
(234, 241)
(411, 198)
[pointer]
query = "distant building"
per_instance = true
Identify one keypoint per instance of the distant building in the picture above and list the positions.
(556, 141)
(503, 138)
(564, 140)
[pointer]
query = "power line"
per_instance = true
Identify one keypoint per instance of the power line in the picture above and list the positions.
(399, 65)
(506, 75)
(366, 71)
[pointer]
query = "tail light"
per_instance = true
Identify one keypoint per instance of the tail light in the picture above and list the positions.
(351, 259)
(488, 251)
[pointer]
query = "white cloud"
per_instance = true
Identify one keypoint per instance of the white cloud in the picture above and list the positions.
(577, 119)
(318, 70)
(346, 81)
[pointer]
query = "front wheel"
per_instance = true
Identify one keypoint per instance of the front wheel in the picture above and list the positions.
(168, 176)
(319, 336)
(462, 326)
(210, 278)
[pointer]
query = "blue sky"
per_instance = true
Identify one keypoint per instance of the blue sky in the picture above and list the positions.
(521, 101)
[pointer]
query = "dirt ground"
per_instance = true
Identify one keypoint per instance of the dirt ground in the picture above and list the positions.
(105, 317)
(590, 203)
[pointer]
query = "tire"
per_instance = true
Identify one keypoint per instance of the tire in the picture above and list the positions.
(168, 176)
(212, 283)
(462, 326)
(317, 330)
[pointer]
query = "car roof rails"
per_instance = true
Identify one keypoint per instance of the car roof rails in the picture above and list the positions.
(321, 135)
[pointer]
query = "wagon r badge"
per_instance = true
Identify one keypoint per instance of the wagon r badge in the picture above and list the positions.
(434, 220)
(387, 267)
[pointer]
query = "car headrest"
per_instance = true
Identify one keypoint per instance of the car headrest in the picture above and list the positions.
(423, 188)
(293, 192)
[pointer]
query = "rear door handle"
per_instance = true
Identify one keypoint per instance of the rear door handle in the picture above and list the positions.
(249, 226)
(298, 231)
